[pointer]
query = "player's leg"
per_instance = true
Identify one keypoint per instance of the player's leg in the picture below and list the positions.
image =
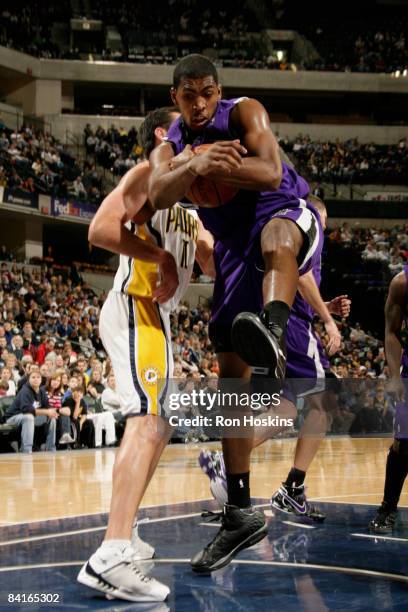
(242, 526)
(143, 550)
(395, 474)
(288, 242)
(112, 568)
(290, 497)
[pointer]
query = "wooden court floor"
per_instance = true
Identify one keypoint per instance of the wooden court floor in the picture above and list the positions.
(71, 483)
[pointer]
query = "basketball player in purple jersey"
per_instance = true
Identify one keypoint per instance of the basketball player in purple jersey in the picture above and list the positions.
(396, 316)
(307, 362)
(264, 237)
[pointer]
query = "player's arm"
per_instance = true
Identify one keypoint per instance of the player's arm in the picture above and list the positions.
(261, 170)
(310, 292)
(108, 230)
(204, 251)
(394, 308)
(172, 176)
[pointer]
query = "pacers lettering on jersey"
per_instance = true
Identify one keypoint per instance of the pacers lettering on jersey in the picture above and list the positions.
(180, 220)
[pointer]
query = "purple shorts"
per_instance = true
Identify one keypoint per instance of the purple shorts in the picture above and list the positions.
(307, 363)
(239, 271)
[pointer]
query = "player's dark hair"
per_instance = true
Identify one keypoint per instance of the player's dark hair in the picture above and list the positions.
(194, 66)
(160, 117)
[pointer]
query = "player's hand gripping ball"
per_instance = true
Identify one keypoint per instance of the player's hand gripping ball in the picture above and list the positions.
(208, 193)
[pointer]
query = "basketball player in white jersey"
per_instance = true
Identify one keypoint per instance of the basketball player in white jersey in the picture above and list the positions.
(157, 252)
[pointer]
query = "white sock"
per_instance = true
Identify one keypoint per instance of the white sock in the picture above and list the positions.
(115, 544)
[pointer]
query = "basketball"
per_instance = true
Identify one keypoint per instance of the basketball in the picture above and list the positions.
(206, 192)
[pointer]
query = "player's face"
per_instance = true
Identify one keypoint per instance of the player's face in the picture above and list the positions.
(197, 100)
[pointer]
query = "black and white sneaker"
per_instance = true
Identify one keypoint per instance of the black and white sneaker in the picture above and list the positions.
(240, 528)
(384, 520)
(260, 344)
(293, 501)
(114, 573)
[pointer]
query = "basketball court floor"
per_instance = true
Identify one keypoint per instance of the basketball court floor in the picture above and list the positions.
(53, 513)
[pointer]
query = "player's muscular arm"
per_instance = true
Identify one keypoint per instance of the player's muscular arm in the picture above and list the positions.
(167, 183)
(172, 176)
(394, 308)
(311, 293)
(204, 251)
(107, 229)
(261, 170)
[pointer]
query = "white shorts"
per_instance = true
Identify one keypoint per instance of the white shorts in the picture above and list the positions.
(136, 336)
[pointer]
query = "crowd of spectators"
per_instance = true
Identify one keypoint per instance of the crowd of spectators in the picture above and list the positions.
(319, 161)
(230, 33)
(348, 162)
(115, 149)
(33, 161)
(386, 248)
(50, 347)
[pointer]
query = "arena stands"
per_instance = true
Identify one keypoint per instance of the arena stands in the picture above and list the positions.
(234, 35)
(49, 317)
(350, 161)
(33, 161)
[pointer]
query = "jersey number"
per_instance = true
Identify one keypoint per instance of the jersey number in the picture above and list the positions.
(184, 253)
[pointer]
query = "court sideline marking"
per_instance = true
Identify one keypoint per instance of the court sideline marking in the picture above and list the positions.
(300, 566)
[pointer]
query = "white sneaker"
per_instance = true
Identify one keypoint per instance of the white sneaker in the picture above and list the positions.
(114, 573)
(66, 439)
(142, 550)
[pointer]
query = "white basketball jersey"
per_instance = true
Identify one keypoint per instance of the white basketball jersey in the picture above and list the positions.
(175, 230)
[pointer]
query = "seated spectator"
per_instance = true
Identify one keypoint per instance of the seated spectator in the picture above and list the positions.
(95, 386)
(103, 421)
(5, 377)
(16, 347)
(85, 433)
(54, 395)
(30, 410)
(45, 347)
(110, 399)
(85, 343)
(82, 365)
(78, 189)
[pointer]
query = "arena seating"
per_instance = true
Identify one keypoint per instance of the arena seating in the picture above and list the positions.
(369, 41)
(50, 320)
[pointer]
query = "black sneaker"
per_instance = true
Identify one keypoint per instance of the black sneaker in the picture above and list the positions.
(240, 528)
(292, 500)
(384, 520)
(260, 344)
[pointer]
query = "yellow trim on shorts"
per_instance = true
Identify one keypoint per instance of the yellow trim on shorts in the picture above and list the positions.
(151, 351)
(145, 274)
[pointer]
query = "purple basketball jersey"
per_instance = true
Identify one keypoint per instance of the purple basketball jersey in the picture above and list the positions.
(237, 226)
(238, 221)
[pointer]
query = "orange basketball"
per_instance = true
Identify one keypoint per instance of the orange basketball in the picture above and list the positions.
(206, 192)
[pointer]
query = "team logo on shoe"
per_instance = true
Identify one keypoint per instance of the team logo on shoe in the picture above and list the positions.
(151, 375)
